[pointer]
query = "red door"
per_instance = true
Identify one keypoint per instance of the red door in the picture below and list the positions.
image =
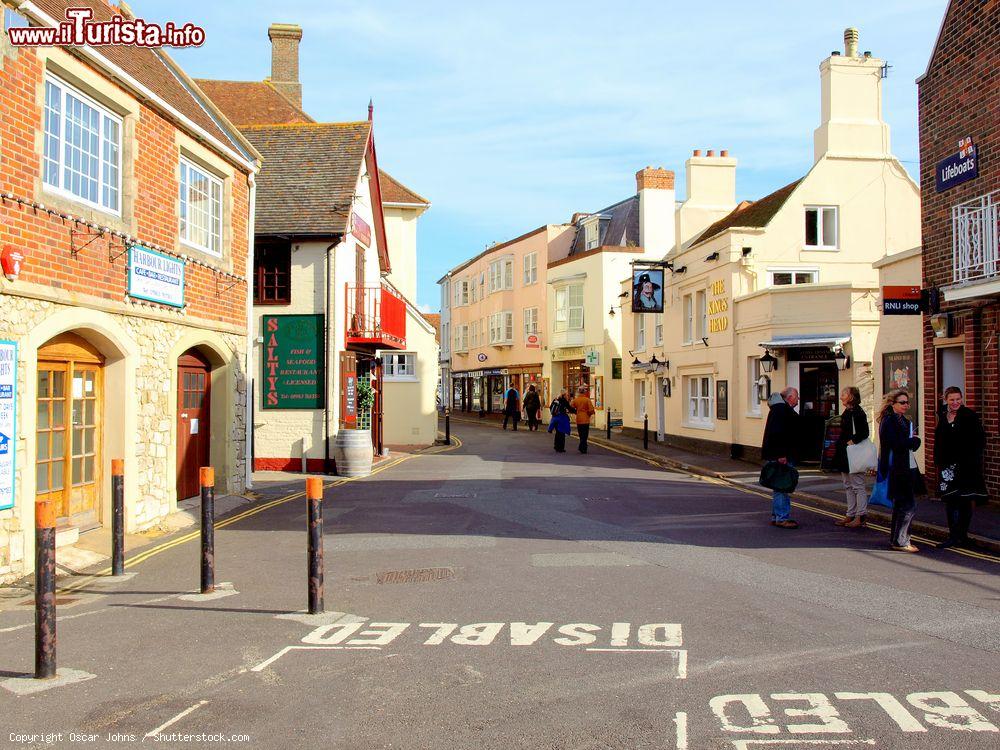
(193, 419)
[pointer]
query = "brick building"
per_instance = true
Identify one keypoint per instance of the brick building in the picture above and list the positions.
(125, 198)
(959, 100)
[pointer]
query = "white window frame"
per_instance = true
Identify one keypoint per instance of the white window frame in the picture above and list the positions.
(215, 183)
(391, 367)
(772, 271)
(658, 331)
(821, 224)
(502, 274)
(502, 328)
(565, 309)
(696, 404)
(591, 233)
(754, 372)
(640, 332)
(105, 114)
(688, 318)
(640, 399)
(530, 269)
(701, 312)
(529, 316)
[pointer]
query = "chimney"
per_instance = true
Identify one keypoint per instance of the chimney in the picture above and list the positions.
(711, 193)
(656, 210)
(285, 39)
(851, 121)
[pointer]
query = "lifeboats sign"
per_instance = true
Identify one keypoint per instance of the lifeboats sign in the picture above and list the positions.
(959, 167)
(293, 362)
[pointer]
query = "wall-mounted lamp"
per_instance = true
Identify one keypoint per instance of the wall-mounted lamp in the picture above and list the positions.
(636, 362)
(941, 325)
(654, 361)
(763, 388)
(611, 312)
(666, 387)
(841, 359)
(747, 251)
(704, 340)
(713, 256)
(768, 362)
(623, 295)
(682, 269)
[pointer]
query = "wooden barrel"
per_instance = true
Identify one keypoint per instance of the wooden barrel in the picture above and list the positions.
(353, 453)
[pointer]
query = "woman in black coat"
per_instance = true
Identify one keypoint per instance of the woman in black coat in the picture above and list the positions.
(959, 441)
(532, 407)
(853, 430)
(896, 440)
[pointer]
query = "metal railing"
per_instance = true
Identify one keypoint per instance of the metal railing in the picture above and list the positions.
(975, 228)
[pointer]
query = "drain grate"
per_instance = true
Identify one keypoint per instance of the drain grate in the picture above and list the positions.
(415, 575)
(597, 499)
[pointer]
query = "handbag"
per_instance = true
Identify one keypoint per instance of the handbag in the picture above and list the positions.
(779, 477)
(862, 456)
(880, 494)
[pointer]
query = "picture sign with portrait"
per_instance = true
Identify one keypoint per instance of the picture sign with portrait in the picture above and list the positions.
(647, 290)
(899, 370)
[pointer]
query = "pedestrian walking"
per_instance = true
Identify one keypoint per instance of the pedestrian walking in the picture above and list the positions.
(853, 430)
(897, 438)
(532, 408)
(585, 410)
(511, 407)
(959, 442)
(559, 424)
(782, 437)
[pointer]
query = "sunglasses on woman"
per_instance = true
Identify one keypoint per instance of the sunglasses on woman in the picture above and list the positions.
(904, 403)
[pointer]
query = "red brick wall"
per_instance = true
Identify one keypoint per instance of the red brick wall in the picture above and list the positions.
(46, 239)
(959, 97)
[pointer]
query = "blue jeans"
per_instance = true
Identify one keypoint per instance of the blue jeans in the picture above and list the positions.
(781, 506)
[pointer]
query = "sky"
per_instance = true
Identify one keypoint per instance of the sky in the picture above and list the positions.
(507, 116)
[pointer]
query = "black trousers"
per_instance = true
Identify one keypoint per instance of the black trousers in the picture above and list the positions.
(583, 430)
(959, 513)
(532, 422)
(560, 444)
(903, 512)
(515, 417)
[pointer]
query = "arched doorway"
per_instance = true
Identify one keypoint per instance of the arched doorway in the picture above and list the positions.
(194, 433)
(68, 429)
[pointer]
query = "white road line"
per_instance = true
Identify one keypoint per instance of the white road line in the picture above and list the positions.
(682, 664)
(61, 618)
(636, 650)
(681, 720)
(264, 664)
(748, 744)
(174, 720)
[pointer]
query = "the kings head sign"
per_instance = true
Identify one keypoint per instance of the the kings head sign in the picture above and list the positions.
(959, 167)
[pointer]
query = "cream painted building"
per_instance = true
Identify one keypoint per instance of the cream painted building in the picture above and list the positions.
(792, 274)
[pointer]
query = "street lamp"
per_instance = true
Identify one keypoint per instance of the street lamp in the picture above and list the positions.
(768, 362)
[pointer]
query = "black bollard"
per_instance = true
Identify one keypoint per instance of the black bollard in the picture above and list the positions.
(45, 589)
(207, 477)
(314, 500)
(607, 426)
(117, 517)
(447, 427)
(645, 432)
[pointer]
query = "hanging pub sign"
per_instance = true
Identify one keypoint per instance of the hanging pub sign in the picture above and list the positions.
(293, 362)
(958, 168)
(647, 290)
(901, 300)
(361, 230)
(155, 277)
(8, 421)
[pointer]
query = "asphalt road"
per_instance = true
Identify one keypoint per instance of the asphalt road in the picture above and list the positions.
(499, 595)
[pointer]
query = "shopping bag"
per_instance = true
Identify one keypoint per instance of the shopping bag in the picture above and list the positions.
(779, 477)
(880, 493)
(862, 456)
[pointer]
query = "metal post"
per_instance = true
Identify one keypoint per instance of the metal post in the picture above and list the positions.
(608, 422)
(314, 501)
(207, 477)
(447, 426)
(45, 589)
(117, 517)
(645, 432)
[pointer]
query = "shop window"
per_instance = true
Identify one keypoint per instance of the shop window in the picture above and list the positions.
(821, 227)
(201, 209)
(699, 391)
(530, 268)
(399, 366)
(272, 283)
(82, 149)
(792, 276)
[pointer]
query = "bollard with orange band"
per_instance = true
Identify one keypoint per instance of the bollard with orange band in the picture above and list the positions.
(207, 479)
(117, 517)
(314, 501)
(45, 589)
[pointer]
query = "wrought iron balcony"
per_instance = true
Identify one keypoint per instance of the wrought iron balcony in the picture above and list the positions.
(375, 318)
(975, 228)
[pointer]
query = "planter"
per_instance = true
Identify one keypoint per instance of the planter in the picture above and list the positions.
(353, 453)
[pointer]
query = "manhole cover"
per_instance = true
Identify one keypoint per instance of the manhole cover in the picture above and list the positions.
(415, 575)
(454, 494)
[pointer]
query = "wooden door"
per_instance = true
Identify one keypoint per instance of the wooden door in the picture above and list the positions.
(194, 435)
(68, 430)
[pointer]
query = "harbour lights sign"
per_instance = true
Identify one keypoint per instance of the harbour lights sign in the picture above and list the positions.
(958, 168)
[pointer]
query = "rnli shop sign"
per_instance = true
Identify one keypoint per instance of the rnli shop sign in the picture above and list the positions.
(8, 421)
(959, 167)
(155, 277)
(293, 362)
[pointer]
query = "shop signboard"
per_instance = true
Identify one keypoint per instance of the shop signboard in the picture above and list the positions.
(959, 167)
(155, 277)
(592, 358)
(616, 368)
(531, 341)
(351, 397)
(721, 400)
(293, 362)
(810, 354)
(599, 392)
(361, 230)
(8, 421)
(899, 370)
(901, 300)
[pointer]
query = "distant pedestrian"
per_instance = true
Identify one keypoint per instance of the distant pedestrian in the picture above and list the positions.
(584, 408)
(853, 430)
(559, 424)
(532, 408)
(959, 442)
(782, 440)
(897, 437)
(511, 407)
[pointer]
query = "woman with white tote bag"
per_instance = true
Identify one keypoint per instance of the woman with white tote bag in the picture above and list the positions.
(855, 454)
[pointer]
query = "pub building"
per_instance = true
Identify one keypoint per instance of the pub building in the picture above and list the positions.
(332, 309)
(781, 291)
(125, 218)
(959, 107)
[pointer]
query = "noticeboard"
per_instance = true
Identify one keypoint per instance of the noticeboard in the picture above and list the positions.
(293, 362)
(8, 422)
(831, 434)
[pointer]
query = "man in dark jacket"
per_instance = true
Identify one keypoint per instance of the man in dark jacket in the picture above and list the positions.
(782, 436)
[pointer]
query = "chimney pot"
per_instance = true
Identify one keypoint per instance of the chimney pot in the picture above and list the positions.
(868, 53)
(851, 42)
(697, 152)
(724, 152)
(711, 152)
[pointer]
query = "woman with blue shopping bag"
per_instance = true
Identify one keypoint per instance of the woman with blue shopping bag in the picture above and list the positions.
(897, 438)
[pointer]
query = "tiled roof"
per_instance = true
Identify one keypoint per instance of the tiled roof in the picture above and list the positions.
(147, 66)
(309, 175)
(394, 191)
(435, 320)
(252, 102)
(620, 229)
(750, 214)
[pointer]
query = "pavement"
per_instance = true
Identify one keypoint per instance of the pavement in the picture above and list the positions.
(495, 594)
